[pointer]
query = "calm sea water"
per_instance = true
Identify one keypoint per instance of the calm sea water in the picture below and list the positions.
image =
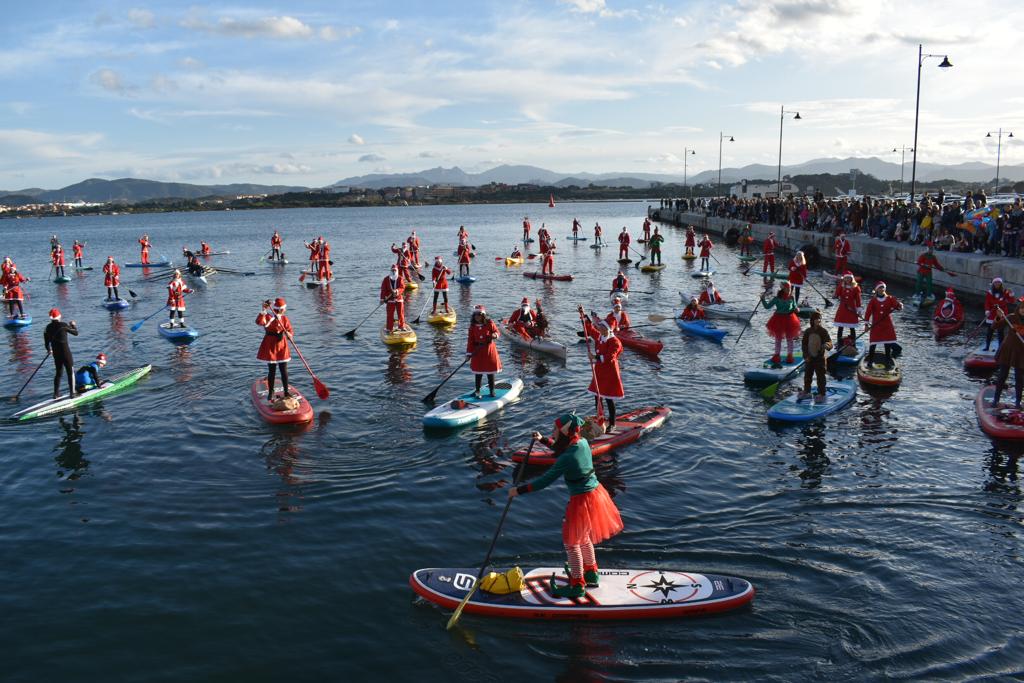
(168, 534)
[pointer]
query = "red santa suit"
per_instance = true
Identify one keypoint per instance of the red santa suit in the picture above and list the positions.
(481, 348)
(621, 318)
(176, 291)
(12, 286)
(797, 273)
(692, 313)
(879, 311)
(705, 247)
(464, 252)
(522, 319)
(548, 263)
(950, 308)
(414, 248)
(77, 250)
(274, 347)
(849, 308)
(391, 291)
(606, 379)
(111, 274)
(58, 256)
(597, 232)
(769, 253)
(439, 276)
(526, 228)
(314, 256)
(623, 244)
(275, 241)
(647, 228)
(710, 296)
(620, 283)
(842, 249)
(324, 272)
(691, 240)
(1000, 300)
(145, 244)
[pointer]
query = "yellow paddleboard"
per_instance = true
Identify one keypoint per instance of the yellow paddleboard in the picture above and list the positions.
(509, 261)
(412, 285)
(398, 337)
(442, 318)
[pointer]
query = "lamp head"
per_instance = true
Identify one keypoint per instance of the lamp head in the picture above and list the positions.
(988, 135)
(945, 63)
(1010, 135)
(797, 117)
(732, 139)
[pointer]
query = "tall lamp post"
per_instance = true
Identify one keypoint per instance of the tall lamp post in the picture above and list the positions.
(903, 160)
(721, 139)
(686, 155)
(782, 117)
(944, 64)
(999, 151)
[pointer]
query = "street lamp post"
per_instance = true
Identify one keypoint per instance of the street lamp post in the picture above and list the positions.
(999, 152)
(944, 64)
(782, 117)
(721, 139)
(903, 160)
(686, 155)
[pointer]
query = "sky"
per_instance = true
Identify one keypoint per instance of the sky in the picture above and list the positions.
(308, 93)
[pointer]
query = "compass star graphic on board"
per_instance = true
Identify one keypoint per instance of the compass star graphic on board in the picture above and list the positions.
(663, 585)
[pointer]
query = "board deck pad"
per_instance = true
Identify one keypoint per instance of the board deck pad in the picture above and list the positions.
(258, 394)
(767, 374)
(623, 594)
(448, 416)
(837, 396)
(629, 427)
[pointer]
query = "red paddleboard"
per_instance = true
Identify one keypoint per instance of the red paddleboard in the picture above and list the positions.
(304, 413)
(983, 360)
(1002, 421)
(636, 341)
(629, 427)
(533, 275)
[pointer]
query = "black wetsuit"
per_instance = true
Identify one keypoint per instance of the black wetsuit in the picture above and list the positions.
(55, 338)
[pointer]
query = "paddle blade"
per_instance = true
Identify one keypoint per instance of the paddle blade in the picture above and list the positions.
(302, 278)
(136, 326)
(351, 334)
(655, 318)
(321, 389)
(429, 398)
(458, 610)
(132, 294)
(770, 390)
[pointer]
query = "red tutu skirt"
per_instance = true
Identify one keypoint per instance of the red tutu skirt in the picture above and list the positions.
(786, 326)
(590, 516)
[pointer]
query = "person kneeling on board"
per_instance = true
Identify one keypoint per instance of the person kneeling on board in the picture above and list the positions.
(815, 345)
(88, 376)
(590, 517)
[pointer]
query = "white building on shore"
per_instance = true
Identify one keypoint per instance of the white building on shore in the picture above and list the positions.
(748, 190)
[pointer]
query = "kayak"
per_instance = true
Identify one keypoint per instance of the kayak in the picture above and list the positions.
(944, 328)
(534, 275)
(703, 273)
(651, 268)
(152, 264)
(1000, 422)
(547, 346)
(629, 427)
(625, 261)
(766, 374)
(115, 304)
(979, 359)
(843, 359)
(701, 328)
(723, 311)
(632, 339)
(61, 279)
(623, 594)
(184, 335)
(16, 323)
(410, 285)
(465, 279)
(689, 257)
(838, 395)
(879, 375)
(619, 294)
(465, 409)
(216, 253)
(509, 261)
(442, 318)
(64, 403)
(397, 336)
(304, 413)
(314, 282)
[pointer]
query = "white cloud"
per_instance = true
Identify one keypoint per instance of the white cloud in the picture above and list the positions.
(356, 139)
(370, 158)
(141, 18)
(391, 25)
(585, 6)
(20, 143)
(429, 155)
(285, 27)
(110, 80)
(190, 63)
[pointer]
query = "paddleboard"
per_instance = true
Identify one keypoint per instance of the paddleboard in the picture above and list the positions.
(465, 409)
(277, 262)
(623, 594)
(979, 359)
(625, 261)
(596, 246)
(1002, 421)
(577, 239)
(769, 276)
(398, 337)
(465, 279)
(838, 395)
(216, 253)
(183, 335)
(878, 375)
(115, 304)
(703, 273)
(509, 261)
(919, 302)
(410, 285)
(17, 323)
(804, 310)
(542, 345)
(303, 413)
(64, 403)
(748, 259)
(766, 374)
(78, 269)
(313, 282)
(700, 328)
(689, 257)
(442, 318)
(651, 268)
(61, 279)
(629, 427)
(529, 240)
(152, 264)
(533, 275)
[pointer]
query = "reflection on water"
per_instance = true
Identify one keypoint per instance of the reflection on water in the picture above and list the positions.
(70, 458)
(20, 344)
(283, 457)
(398, 371)
(811, 447)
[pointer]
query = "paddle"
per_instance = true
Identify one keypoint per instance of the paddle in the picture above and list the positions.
(953, 273)
(320, 387)
(828, 302)
(655, 318)
(351, 334)
(15, 398)
(770, 390)
(760, 301)
(580, 334)
(429, 398)
(433, 284)
(609, 293)
(487, 560)
(266, 256)
(642, 257)
(136, 326)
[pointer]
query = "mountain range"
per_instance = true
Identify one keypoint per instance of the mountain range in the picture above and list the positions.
(137, 190)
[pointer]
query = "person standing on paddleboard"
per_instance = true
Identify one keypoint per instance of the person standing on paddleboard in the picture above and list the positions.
(606, 378)
(597, 234)
(275, 247)
(620, 283)
(6, 265)
(784, 323)
(543, 238)
(77, 251)
(482, 350)
(392, 291)
(439, 276)
(797, 274)
(691, 240)
(548, 262)
(619, 316)
(815, 345)
(590, 517)
(57, 256)
(55, 339)
(624, 243)
(325, 273)
(576, 225)
(997, 300)
(464, 252)
(145, 245)
(842, 249)
(769, 253)
(654, 243)
(1010, 353)
(849, 309)
(274, 349)
(414, 247)
(925, 263)
(111, 278)
(879, 310)
(13, 294)
(176, 291)
(705, 252)
(746, 239)
(314, 256)
(526, 228)
(647, 229)
(88, 376)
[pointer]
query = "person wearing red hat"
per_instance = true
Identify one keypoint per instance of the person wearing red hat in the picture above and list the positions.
(619, 316)
(620, 283)
(78, 250)
(548, 262)
(392, 291)
(950, 310)
(463, 234)
(784, 323)
(324, 271)
(465, 252)
(998, 300)
(710, 295)
(1010, 353)
(769, 253)
(543, 239)
(576, 227)
(275, 247)
(13, 293)
(145, 245)
(797, 274)
(88, 376)
(522, 320)
(6, 266)
(624, 243)
(314, 256)
(439, 276)
(57, 257)
(705, 252)
(274, 351)
(526, 228)
(55, 339)
(414, 247)
(691, 240)
(842, 249)
(204, 249)
(925, 263)
(879, 311)
(605, 377)
(111, 278)
(692, 311)
(481, 349)
(647, 229)
(849, 309)
(176, 291)
(598, 231)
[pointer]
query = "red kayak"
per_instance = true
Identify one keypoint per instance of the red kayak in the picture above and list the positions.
(628, 428)
(304, 413)
(636, 341)
(944, 328)
(534, 275)
(1000, 422)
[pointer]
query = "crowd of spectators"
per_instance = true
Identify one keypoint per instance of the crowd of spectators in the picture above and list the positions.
(935, 218)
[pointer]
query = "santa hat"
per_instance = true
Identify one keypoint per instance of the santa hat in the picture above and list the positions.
(525, 301)
(54, 314)
(950, 294)
(997, 280)
(480, 309)
(279, 304)
(101, 359)
(880, 285)
(785, 284)
(110, 258)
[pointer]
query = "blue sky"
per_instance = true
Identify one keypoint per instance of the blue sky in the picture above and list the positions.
(307, 93)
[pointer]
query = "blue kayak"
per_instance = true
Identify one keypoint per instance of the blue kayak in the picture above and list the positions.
(152, 264)
(178, 334)
(115, 304)
(465, 279)
(701, 328)
(16, 323)
(838, 395)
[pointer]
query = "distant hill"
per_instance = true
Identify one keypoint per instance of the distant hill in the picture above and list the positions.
(136, 190)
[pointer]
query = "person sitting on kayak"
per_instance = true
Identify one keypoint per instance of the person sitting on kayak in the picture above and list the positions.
(481, 349)
(145, 244)
(548, 263)
(392, 290)
(439, 276)
(849, 309)
(88, 376)
(194, 267)
(623, 243)
(746, 239)
(57, 256)
(590, 517)
(621, 318)
(111, 278)
(950, 310)
(540, 320)
(784, 323)
(654, 243)
(13, 293)
(204, 249)
(55, 339)
(464, 252)
(1010, 353)
(606, 379)
(620, 283)
(176, 291)
(705, 252)
(815, 345)
(77, 251)
(925, 263)
(710, 296)
(693, 311)
(526, 228)
(597, 234)
(691, 240)
(516, 253)
(997, 299)
(275, 247)
(522, 320)
(274, 351)
(769, 253)
(879, 310)
(797, 274)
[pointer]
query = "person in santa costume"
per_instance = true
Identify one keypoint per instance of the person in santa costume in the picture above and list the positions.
(516, 253)
(482, 350)
(314, 256)
(439, 276)
(205, 249)
(576, 227)
(784, 323)
(590, 517)
(523, 320)
(464, 252)
(692, 311)
(145, 245)
(705, 252)
(998, 299)
(111, 278)
(526, 228)
(406, 267)
(746, 239)
(274, 351)
(623, 243)
(548, 262)
(647, 229)
(13, 294)
(176, 291)
(543, 239)
(324, 257)
(619, 315)
(842, 249)
(77, 251)
(606, 379)
(879, 312)
(797, 274)
(848, 311)
(710, 295)
(392, 291)
(950, 310)
(275, 247)
(414, 247)
(620, 283)
(57, 256)
(6, 265)
(55, 339)
(691, 240)
(597, 234)
(769, 253)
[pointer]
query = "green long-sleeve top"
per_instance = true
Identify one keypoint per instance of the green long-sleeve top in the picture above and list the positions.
(576, 464)
(655, 242)
(782, 306)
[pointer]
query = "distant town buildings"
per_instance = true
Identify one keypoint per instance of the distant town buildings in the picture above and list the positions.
(747, 190)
